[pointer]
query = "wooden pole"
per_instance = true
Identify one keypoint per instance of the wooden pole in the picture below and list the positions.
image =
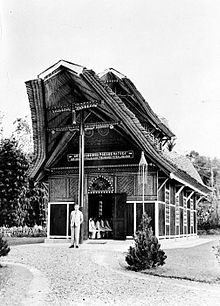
(143, 170)
(81, 160)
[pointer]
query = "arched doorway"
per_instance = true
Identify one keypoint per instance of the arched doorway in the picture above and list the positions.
(106, 205)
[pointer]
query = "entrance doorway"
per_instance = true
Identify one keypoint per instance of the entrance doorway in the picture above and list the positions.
(100, 205)
(109, 210)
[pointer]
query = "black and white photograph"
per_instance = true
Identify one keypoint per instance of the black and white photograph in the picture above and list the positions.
(109, 153)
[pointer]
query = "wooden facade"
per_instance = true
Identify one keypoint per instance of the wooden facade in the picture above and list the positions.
(75, 110)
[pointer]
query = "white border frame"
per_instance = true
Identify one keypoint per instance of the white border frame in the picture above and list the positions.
(67, 219)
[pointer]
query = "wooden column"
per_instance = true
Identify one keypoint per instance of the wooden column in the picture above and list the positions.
(156, 207)
(81, 160)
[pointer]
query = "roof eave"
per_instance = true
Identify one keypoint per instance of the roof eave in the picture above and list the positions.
(203, 190)
(35, 91)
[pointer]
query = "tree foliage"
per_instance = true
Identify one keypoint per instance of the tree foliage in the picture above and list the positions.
(1, 124)
(13, 179)
(202, 165)
(146, 253)
(22, 201)
(209, 171)
(36, 199)
(23, 135)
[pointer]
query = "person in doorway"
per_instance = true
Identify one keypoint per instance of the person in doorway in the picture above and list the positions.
(76, 219)
(92, 229)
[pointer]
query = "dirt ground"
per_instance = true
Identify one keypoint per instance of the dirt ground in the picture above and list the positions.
(97, 275)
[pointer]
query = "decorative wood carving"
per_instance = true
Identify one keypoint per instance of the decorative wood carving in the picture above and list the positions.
(101, 184)
(73, 187)
(125, 183)
(58, 188)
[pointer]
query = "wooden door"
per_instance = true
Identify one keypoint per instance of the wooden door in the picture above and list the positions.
(130, 219)
(119, 215)
(58, 220)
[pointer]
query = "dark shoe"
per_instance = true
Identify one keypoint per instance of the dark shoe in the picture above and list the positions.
(77, 246)
(72, 246)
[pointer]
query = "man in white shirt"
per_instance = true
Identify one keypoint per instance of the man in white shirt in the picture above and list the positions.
(76, 219)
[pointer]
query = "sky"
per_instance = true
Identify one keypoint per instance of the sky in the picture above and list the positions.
(169, 49)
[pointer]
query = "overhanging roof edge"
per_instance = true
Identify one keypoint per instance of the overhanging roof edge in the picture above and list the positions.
(175, 177)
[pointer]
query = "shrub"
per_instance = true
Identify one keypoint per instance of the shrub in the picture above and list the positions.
(216, 250)
(146, 253)
(25, 231)
(4, 248)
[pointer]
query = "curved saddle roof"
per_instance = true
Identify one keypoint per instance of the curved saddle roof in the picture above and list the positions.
(64, 82)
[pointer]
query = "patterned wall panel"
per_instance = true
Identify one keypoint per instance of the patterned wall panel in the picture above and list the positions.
(177, 211)
(125, 184)
(149, 186)
(58, 188)
(184, 211)
(73, 187)
(167, 206)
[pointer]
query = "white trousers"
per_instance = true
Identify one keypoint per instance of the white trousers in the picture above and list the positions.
(75, 235)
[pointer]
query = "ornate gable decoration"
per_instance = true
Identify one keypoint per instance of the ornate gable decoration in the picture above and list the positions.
(101, 184)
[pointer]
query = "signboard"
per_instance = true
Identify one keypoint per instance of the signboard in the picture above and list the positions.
(102, 155)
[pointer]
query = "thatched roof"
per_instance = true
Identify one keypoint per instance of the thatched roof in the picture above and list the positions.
(63, 85)
(133, 99)
(183, 163)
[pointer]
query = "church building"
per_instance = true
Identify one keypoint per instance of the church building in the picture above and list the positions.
(97, 142)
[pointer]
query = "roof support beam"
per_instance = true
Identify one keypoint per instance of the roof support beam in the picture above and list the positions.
(161, 186)
(187, 199)
(178, 192)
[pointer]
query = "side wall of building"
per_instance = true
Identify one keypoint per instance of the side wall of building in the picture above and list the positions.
(177, 211)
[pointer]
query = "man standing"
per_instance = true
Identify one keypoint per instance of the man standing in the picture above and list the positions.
(76, 219)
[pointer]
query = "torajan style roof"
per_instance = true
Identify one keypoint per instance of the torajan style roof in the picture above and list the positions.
(64, 84)
(132, 97)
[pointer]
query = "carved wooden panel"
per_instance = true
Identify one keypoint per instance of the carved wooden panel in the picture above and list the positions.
(191, 213)
(149, 185)
(161, 219)
(125, 183)
(167, 206)
(73, 187)
(101, 184)
(58, 188)
(177, 211)
(184, 211)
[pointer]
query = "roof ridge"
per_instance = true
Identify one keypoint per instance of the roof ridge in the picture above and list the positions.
(112, 70)
(61, 62)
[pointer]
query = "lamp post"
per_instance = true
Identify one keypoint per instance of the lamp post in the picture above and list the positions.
(143, 173)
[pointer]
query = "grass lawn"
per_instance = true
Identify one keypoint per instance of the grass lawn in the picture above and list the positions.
(196, 263)
(23, 240)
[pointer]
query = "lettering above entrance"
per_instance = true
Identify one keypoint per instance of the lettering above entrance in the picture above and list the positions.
(101, 184)
(102, 155)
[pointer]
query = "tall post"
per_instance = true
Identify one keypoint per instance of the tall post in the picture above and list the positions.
(143, 171)
(143, 182)
(81, 160)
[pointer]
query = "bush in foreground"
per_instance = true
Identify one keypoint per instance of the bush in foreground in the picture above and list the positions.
(216, 250)
(146, 253)
(4, 248)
